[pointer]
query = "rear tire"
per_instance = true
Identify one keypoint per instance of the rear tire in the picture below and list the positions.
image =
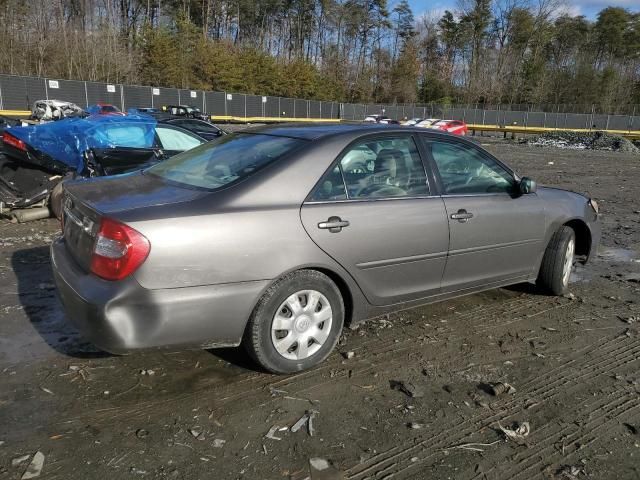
(296, 323)
(557, 262)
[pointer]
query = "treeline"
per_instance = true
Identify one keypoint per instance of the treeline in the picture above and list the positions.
(486, 51)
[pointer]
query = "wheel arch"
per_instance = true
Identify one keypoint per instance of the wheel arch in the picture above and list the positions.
(348, 290)
(583, 236)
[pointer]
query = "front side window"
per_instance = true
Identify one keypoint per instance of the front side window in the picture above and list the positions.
(384, 167)
(465, 170)
(224, 160)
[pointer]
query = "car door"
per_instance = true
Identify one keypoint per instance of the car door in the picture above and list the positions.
(373, 213)
(496, 234)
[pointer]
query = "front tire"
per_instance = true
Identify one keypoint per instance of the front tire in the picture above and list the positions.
(557, 262)
(296, 323)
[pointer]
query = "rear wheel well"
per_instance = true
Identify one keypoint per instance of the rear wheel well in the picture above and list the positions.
(347, 298)
(583, 236)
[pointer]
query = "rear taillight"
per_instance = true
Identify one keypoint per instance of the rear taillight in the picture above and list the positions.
(13, 141)
(118, 251)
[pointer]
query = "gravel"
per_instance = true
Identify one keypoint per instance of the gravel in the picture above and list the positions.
(585, 141)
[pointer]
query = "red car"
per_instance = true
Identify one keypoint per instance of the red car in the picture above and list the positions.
(105, 109)
(457, 127)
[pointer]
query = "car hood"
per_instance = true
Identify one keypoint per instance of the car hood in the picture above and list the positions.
(118, 193)
(552, 190)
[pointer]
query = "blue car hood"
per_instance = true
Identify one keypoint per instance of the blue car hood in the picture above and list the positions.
(66, 140)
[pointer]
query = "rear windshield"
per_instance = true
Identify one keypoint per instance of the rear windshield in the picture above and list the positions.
(225, 160)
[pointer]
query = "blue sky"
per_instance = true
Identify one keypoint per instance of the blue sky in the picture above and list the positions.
(588, 8)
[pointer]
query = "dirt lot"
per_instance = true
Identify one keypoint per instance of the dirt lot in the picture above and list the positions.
(204, 414)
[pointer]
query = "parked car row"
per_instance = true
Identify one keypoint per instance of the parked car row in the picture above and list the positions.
(456, 127)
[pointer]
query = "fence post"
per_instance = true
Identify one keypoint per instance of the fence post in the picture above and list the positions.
(607, 127)
(245, 108)
(1, 102)
(122, 97)
(86, 95)
(279, 109)
(308, 109)
(225, 103)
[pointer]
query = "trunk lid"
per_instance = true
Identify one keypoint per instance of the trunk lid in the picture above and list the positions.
(86, 201)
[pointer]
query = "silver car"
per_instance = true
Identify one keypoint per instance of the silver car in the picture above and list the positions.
(274, 238)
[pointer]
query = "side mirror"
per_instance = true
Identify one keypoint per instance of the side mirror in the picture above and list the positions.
(527, 185)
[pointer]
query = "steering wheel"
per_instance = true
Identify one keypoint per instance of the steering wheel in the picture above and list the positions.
(380, 190)
(458, 166)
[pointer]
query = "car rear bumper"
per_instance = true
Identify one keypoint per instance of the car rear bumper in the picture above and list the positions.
(123, 316)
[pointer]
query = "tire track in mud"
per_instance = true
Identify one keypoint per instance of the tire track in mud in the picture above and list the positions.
(379, 352)
(607, 414)
(542, 388)
(630, 356)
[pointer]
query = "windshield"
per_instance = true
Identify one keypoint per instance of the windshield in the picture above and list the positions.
(224, 160)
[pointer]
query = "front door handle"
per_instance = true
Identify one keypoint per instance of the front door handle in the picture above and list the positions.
(462, 216)
(333, 224)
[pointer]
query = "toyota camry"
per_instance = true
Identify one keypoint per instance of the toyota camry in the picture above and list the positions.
(276, 237)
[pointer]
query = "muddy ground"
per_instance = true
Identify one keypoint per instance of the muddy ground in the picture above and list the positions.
(204, 414)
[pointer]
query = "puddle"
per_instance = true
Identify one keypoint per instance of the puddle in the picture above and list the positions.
(611, 254)
(581, 274)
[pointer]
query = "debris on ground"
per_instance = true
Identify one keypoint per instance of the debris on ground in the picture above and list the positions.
(271, 433)
(219, 443)
(415, 425)
(18, 460)
(584, 141)
(197, 434)
(473, 446)
(349, 355)
(322, 469)
(35, 467)
(569, 472)
(142, 433)
(408, 388)
(500, 388)
(517, 433)
(147, 372)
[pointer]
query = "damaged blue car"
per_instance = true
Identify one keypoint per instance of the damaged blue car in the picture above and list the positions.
(35, 159)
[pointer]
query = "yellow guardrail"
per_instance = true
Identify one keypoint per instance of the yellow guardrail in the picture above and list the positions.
(630, 134)
(15, 113)
(230, 118)
(515, 129)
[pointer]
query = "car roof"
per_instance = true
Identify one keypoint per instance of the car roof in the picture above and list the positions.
(314, 131)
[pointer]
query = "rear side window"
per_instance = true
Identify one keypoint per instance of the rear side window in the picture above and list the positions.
(175, 140)
(225, 160)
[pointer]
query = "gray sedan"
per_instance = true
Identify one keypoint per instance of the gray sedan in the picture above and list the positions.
(276, 237)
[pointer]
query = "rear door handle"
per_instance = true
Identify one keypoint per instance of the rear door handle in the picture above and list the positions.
(462, 215)
(333, 224)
